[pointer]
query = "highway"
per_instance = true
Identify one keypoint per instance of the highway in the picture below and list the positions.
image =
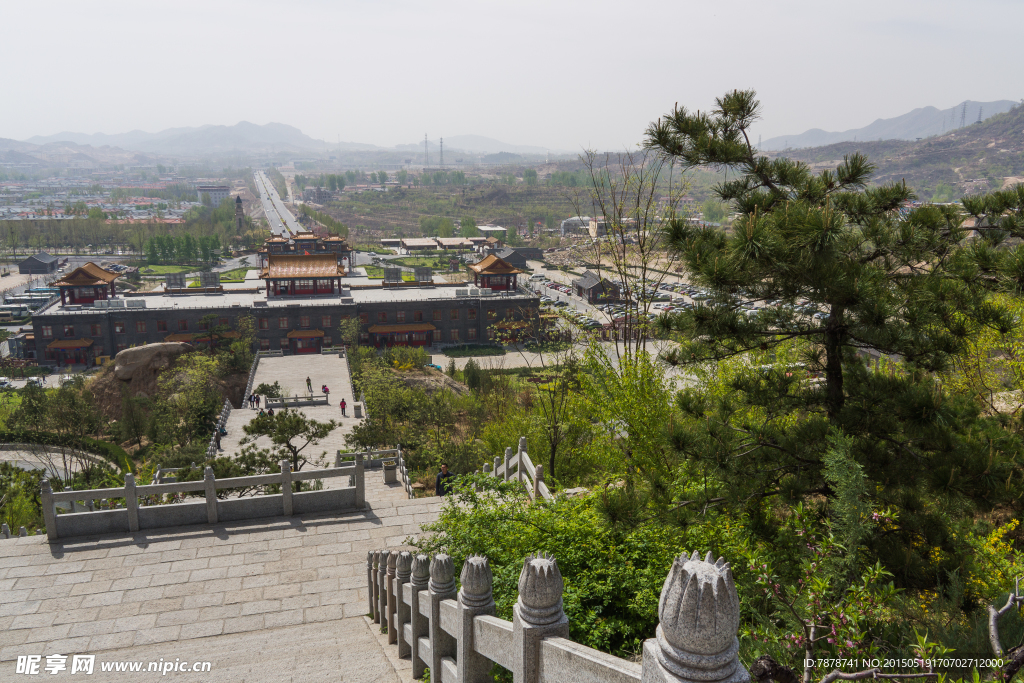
(282, 222)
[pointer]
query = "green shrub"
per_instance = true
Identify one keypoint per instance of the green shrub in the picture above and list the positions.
(465, 350)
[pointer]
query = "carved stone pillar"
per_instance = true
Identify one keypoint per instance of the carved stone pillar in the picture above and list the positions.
(442, 587)
(476, 598)
(418, 623)
(403, 572)
(699, 615)
(536, 615)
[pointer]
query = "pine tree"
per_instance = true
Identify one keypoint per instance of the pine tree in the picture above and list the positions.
(909, 284)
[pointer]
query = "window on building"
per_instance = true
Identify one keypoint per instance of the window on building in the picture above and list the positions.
(437, 335)
(94, 330)
(284, 343)
(490, 333)
(203, 325)
(282, 323)
(455, 335)
(471, 334)
(472, 314)
(453, 314)
(417, 316)
(69, 330)
(364, 337)
(264, 323)
(182, 326)
(98, 350)
(325, 321)
(161, 325)
(121, 347)
(47, 332)
(364, 318)
(304, 321)
(327, 341)
(437, 315)
(224, 321)
(119, 327)
(140, 326)
(491, 314)
(382, 317)
(264, 344)
(400, 317)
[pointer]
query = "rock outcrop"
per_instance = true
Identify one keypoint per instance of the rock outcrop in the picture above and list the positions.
(150, 358)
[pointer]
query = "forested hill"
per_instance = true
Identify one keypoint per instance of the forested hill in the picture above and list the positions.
(989, 152)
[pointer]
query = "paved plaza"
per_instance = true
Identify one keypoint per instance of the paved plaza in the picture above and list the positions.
(291, 372)
(280, 599)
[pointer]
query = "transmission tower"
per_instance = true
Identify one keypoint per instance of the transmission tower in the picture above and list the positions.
(426, 157)
(963, 115)
(980, 109)
(442, 154)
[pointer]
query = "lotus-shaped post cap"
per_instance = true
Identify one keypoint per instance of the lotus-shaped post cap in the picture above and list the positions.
(699, 610)
(403, 567)
(540, 590)
(477, 582)
(442, 574)
(420, 570)
(370, 556)
(392, 560)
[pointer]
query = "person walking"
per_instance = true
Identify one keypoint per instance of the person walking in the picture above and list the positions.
(327, 394)
(257, 400)
(343, 404)
(443, 484)
(309, 385)
(270, 412)
(216, 439)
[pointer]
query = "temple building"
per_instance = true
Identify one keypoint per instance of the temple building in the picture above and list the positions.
(494, 273)
(86, 285)
(302, 275)
(307, 244)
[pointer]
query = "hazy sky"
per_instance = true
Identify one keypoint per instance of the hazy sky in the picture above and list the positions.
(565, 75)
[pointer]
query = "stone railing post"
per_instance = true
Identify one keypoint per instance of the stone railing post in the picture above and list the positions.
(369, 583)
(419, 626)
(375, 588)
(536, 615)
(520, 452)
(442, 587)
(497, 464)
(392, 594)
(382, 588)
(131, 502)
(699, 616)
(360, 482)
(211, 495)
(403, 572)
(5, 530)
(49, 513)
(538, 477)
(508, 461)
(22, 532)
(475, 599)
(286, 488)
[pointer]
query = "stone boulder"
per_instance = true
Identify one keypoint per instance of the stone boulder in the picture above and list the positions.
(149, 358)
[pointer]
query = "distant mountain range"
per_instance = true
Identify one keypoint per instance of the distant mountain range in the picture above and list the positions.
(241, 137)
(919, 123)
(250, 137)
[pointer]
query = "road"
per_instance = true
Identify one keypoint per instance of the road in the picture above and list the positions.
(282, 222)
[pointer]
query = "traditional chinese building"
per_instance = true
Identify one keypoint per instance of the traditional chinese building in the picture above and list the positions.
(307, 243)
(86, 284)
(302, 275)
(496, 274)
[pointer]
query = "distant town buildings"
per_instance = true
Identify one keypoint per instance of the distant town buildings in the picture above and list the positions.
(217, 193)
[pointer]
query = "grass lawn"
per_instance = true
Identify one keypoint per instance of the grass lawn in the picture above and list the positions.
(375, 273)
(164, 270)
(473, 350)
(413, 261)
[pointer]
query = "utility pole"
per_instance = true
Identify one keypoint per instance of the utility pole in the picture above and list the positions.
(980, 109)
(963, 115)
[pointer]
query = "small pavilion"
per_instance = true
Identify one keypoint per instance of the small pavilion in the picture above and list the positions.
(86, 284)
(302, 275)
(495, 273)
(71, 351)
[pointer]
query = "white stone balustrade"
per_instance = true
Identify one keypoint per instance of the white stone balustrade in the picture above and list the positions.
(458, 637)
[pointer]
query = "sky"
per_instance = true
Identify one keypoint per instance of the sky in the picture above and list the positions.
(566, 75)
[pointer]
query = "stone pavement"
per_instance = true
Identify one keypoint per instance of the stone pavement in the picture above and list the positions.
(278, 599)
(291, 373)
